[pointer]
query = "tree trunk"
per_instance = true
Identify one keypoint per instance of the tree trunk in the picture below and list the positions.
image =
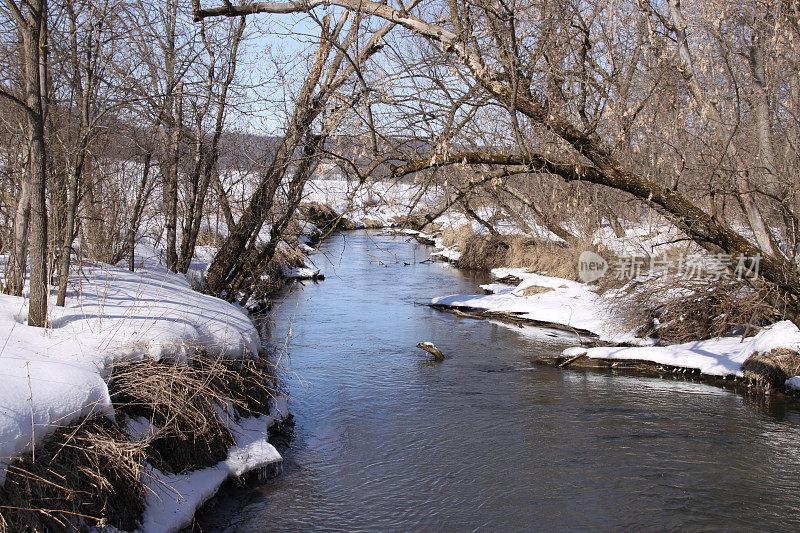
(170, 180)
(141, 200)
(18, 263)
(35, 66)
(69, 228)
(301, 175)
(223, 269)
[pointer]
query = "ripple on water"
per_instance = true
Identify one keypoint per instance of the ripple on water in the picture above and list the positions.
(386, 442)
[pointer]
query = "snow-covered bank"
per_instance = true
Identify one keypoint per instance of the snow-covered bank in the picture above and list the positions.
(548, 300)
(519, 295)
(173, 499)
(56, 375)
(714, 357)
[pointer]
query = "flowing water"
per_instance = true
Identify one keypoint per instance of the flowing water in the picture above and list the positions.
(386, 440)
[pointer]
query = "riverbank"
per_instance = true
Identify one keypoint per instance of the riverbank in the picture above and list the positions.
(764, 355)
(616, 322)
(159, 390)
(535, 445)
(136, 402)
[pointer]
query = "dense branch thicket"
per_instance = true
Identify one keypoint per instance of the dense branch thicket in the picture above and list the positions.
(120, 121)
(558, 112)
(689, 108)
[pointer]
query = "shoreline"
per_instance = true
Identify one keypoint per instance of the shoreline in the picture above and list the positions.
(629, 367)
(606, 344)
(248, 456)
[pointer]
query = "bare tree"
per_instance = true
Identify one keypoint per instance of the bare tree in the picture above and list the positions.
(85, 53)
(207, 154)
(329, 72)
(30, 225)
(489, 40)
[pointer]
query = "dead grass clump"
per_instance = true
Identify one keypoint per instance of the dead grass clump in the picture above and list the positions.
(457, 236)
(535, 289)
(415, 222)
(249, 384)
(324, 217)
(181, 403)
(771, 370)
(82, 475)
(90, 473)
(551, 259)
(484, 252)
(371, 223)
(678, 311)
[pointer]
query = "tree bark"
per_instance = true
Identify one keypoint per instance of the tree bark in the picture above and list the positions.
(18, 263)
(138, 207)
(34, 36)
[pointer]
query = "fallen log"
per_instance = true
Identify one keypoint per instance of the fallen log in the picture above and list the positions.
(430, 348)
(571, 360)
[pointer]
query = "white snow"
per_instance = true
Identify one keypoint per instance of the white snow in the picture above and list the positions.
(172, 499)
(450, 254)
(299, 273)
(569, 303)
(55, 375)
(716, 357)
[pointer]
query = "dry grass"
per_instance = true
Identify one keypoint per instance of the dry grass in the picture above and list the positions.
(182, 402)
(82, 475)
(535, 289)
(771, 370)
(324, 217)
(416, 221)
(678, 311)
(90, 473)
(550, 259)
(271, 279)
(485, 252)
(457, 236)
(371, 223)
(249, 384)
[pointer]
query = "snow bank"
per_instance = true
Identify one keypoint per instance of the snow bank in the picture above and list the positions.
(714, 357)
(55, 375)
(172, 499)
(568, 303)
(299, 273)
(380, 201)
(448, 253)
